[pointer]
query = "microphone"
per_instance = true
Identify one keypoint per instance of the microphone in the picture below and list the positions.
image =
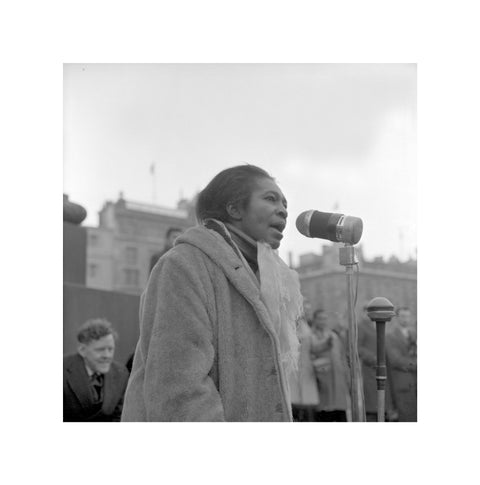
(331, 226)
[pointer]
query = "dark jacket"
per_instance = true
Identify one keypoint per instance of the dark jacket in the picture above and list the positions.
(78, 404)
(402, 359)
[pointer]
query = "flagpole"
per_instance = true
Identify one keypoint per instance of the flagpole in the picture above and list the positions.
(152, 173)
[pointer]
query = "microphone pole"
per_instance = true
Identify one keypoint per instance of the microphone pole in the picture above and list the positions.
(380, 310)
(347, 258)
(346, 229)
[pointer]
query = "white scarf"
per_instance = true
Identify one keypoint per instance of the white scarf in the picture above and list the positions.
(280, 292)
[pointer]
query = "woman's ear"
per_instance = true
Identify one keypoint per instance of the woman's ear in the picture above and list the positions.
(234, 212)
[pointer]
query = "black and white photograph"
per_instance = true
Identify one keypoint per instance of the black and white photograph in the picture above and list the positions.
(240, 242)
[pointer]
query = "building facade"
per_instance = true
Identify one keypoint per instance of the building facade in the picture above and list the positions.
(129, 234)
(323, 282)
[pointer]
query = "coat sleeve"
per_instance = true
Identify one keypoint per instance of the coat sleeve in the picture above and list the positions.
(179, 355)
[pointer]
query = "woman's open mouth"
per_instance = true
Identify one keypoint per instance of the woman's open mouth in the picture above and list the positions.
(278, 228)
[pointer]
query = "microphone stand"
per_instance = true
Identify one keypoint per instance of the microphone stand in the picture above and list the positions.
(380, 310)
(347, 258)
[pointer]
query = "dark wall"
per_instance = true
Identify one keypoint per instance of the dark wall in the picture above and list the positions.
(74, 253)
(81, 303)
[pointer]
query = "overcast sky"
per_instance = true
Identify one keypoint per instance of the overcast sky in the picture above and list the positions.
(335, 137)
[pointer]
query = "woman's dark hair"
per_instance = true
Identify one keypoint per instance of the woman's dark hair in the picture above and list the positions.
(232, 186)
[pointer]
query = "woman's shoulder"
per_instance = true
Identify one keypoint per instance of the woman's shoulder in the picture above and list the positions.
(201, 251)
(184, 255)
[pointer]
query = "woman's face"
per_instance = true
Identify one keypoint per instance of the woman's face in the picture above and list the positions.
(265, 216)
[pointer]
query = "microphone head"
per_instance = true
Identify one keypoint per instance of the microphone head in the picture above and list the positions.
(330, 226)
(303, 223)
(380, 310)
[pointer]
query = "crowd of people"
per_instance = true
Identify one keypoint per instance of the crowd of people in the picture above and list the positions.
(225, 334)
(95, 384)
(321, 389)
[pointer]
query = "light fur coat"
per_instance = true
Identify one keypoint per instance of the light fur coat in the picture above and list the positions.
(207, 349)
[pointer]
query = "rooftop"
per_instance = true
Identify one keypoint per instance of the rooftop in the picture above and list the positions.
(155, 209)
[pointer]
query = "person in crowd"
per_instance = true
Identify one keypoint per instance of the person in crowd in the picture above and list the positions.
(172, 234)
(307, 312)
(367, 351)
(218, 317)
(329, 361)
(339, 325)
(401, 350)
(303, 384)
(93, 383)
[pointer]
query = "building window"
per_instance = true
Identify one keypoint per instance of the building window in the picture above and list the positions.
(131, 277)
(93, 239)
(131, 255)
(92, 270)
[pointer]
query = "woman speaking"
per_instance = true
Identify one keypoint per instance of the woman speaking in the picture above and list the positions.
(219, 314)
